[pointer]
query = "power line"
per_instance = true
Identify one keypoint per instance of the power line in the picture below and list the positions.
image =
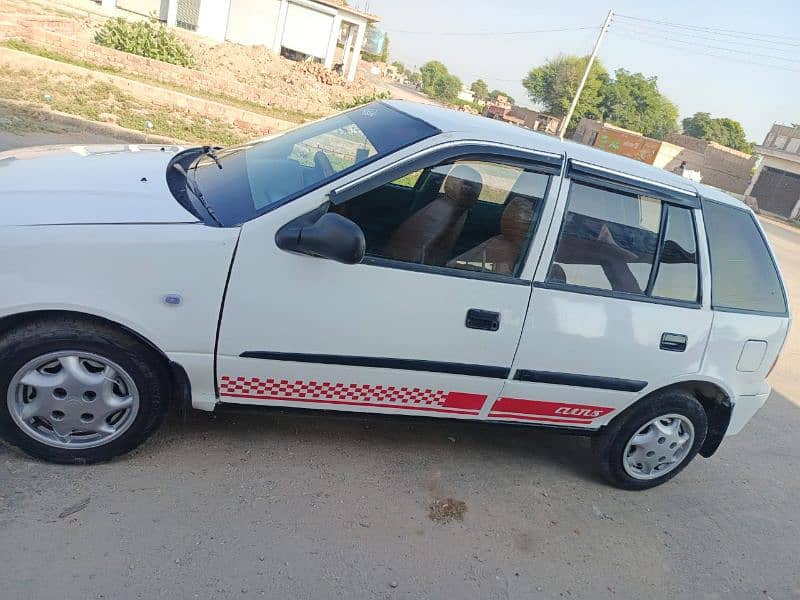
(722, 57)
(763, 37)
(491, 33)
(712, 47)
(693, 36)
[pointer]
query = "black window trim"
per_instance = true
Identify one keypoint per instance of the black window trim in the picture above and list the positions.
(744, 311)
(590, 291)
(545, 163)
(376, 261)
(603, 177)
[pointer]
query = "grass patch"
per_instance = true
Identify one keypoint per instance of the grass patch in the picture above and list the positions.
(98, 101)
(285, 114)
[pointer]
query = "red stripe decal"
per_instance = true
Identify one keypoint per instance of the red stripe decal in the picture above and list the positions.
(510, 416)
(549, 409)
(468, 401)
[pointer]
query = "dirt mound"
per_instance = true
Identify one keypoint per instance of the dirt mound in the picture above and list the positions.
(258, 65)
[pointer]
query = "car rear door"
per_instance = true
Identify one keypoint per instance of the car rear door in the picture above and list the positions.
(619, 305)
(387, 335)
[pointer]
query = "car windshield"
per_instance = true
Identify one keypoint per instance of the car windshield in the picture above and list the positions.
(249, 180)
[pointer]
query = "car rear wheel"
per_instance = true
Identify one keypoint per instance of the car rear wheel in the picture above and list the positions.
(79, 391)
(651, 442)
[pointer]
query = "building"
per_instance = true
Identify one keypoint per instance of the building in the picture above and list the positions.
(308, 28)
(719, 166)
(466, 95)
(776, 183)
(626, 143)
(716, 165)
(535, 120)
(502, 110)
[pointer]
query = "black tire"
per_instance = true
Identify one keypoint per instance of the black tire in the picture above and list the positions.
(145, 366)
(609, 446)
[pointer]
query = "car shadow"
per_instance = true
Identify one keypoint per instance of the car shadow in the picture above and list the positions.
(245, 427)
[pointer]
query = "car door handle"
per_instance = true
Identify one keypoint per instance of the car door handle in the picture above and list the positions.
(483, 319)
(673, 342)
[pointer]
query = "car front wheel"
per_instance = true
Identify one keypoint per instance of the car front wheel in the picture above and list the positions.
(79, 391)
(651, 442)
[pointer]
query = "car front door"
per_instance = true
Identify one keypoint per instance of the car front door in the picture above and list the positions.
(427, 324)
(620, 304)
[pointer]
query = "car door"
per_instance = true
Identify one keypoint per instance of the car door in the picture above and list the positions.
(618, 307)
(418, 327)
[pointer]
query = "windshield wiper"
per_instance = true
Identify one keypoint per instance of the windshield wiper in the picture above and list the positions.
(211, 152)
(191, 185)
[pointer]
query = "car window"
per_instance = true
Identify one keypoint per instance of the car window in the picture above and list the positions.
(497, 179)
(457, 224)
(743, 274)
(609, 241)
(409, 180)
(246, 181)
(343, 147)
(677, 277)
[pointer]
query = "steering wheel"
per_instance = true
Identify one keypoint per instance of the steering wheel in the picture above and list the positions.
(322, 163)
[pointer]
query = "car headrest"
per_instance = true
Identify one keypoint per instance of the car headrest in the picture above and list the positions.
(516, 219)
(463, 186)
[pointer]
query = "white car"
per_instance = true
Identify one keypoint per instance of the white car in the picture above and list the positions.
(399, 259)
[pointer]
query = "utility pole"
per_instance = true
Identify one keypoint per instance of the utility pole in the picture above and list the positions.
(565, 123)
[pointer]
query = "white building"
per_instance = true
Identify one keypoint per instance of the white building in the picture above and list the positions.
(310, 27)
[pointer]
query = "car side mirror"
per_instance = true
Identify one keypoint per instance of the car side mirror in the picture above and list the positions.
(330, 236)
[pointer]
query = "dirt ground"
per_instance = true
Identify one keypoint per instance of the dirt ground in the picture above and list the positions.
(315, 506)
(252, 65)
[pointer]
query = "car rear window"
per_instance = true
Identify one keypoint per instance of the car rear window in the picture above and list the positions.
(743, 273)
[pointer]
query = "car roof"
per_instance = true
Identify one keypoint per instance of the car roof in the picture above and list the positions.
(481, 128)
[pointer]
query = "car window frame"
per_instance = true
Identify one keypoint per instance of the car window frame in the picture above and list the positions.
(546, 163)
(626, 184)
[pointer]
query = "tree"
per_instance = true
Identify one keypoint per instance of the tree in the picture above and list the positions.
(438, 82)
(725, 131)
(385, 49)
(633, 101)
(479, 89)
(401, 68)
(553, 85)
(414, 77)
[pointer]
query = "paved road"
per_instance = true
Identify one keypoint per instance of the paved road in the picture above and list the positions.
(259, 504)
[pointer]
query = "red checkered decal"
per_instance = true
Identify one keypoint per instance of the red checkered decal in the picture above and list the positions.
(353, 394)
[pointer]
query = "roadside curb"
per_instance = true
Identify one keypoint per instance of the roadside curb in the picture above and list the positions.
(129, 135)
(780, 221)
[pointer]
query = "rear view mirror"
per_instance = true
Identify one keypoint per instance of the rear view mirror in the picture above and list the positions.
(330, 236)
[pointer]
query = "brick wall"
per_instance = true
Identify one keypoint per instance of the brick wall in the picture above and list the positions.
(31, 31)
(720, 167)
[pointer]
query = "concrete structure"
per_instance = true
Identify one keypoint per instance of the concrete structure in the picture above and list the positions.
(717, 165)
(310, 28)
(720, 166)
(776, 183)
(626, 143)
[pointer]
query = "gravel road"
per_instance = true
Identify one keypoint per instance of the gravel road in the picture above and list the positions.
(254, 504)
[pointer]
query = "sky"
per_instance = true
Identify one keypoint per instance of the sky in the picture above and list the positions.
(752, 76)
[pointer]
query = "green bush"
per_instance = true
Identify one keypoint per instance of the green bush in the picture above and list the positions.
(149, 38)
(361, 100)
